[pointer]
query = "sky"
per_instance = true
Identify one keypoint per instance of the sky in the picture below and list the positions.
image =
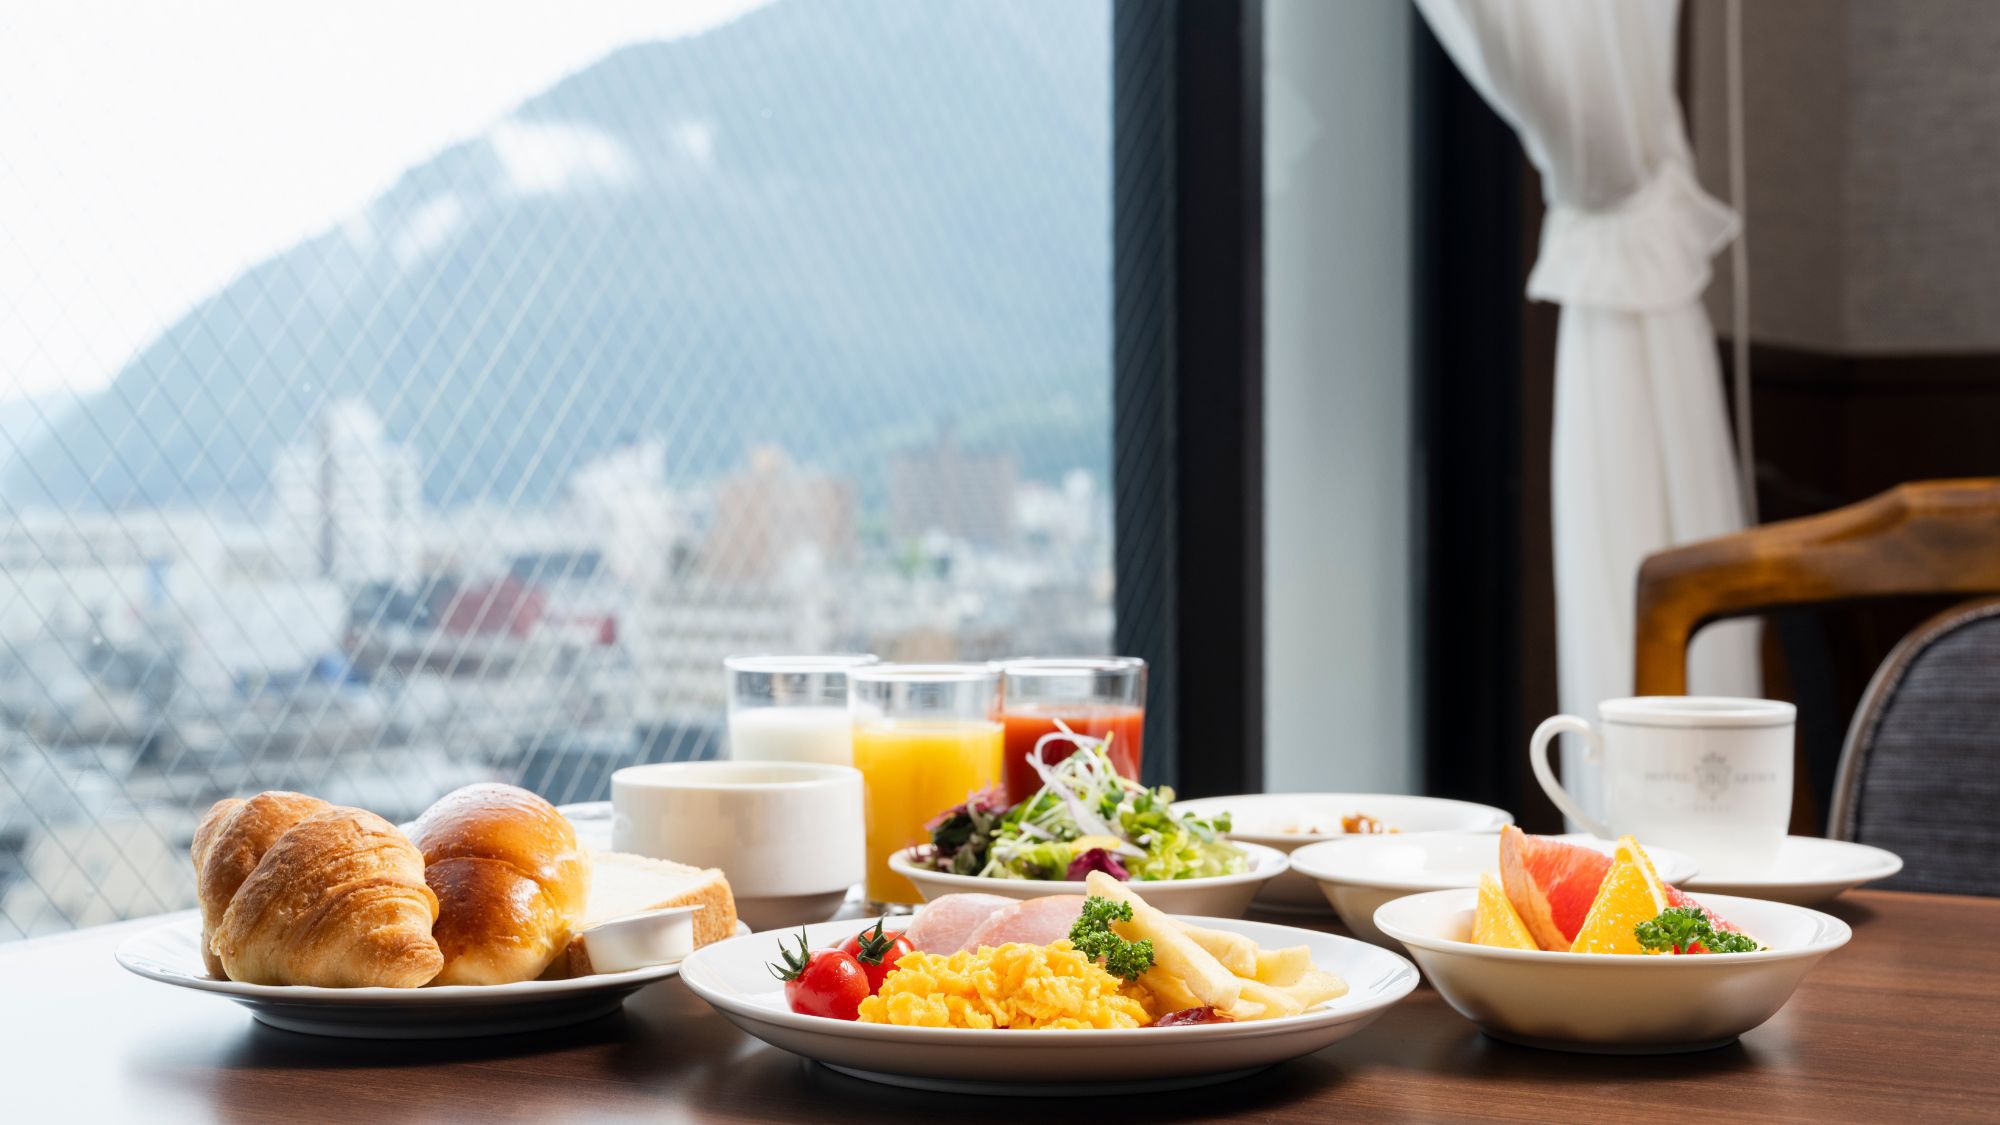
(149, 153)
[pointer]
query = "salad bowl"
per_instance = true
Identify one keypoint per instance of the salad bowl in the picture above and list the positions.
(1610, 1003)
(1289, 821)
(731, 976)
(1219, 896)
(1358, 876)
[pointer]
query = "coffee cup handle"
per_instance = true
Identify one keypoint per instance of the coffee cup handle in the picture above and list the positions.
(1538, 756)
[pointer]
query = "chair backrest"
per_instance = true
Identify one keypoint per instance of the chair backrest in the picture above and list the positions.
(1922, 800)
(1920, 774)
(1934, 537)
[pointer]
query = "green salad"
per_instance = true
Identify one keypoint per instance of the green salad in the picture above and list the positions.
(1084, 818)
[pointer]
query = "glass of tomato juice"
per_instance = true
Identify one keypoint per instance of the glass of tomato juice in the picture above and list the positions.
(1092, 696)
(925, 737)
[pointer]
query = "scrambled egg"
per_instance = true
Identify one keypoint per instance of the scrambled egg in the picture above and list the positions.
(1013, 986)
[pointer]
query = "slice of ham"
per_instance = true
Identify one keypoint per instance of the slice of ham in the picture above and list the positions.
(944, 923)
(1035, 921)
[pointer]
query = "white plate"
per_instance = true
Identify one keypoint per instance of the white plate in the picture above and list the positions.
(171, 954)
(1614, 1003)
(1808, 871)
(1358, 876)
(1262, 818)
(1220, 896)
(731, 975)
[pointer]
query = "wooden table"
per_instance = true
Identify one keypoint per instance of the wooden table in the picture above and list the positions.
(1903, 1023)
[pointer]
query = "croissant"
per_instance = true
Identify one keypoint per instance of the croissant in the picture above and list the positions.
(510, 880)
(338, 901)
(231, 839)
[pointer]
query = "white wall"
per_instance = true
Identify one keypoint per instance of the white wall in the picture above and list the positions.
(1339, 622)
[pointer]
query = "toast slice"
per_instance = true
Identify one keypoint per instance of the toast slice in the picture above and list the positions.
(621, 884)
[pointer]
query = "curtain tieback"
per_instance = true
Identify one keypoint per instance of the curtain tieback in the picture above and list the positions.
(1647, 252)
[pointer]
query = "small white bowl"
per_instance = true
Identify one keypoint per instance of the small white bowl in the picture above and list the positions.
(635, 941)
(1357, 876)
(1216, 896)
(1614, 1003)
(787, 834)
(1274, 820)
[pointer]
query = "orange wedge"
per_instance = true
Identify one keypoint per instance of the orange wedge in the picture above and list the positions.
(1630, 894)
(1496, 922)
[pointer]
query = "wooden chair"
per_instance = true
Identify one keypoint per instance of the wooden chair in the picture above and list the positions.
(1920, 770)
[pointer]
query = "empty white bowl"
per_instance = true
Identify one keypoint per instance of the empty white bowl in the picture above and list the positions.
(1613, 1003)
(1357, 876)
(1289, 821)
(1216, 896)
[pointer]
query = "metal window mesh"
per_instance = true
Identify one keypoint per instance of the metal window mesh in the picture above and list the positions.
(792, 335)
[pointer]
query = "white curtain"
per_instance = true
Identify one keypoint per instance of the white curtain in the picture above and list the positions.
(1642, 456)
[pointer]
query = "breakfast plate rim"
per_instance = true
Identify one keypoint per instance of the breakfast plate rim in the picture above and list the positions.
(1380, 883)
(133, 955)
(1501, 818)
(1884, 864)
(1397, 980)
(1270, 863)
(1832, 934)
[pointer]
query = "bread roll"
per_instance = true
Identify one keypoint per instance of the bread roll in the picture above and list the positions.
(231, 839)
(510, 880)
(339, 901)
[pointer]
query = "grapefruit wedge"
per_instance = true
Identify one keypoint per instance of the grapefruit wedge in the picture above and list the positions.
(1551, 884)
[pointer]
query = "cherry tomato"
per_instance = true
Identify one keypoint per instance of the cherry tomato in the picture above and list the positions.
(878, 952)
(821, 982)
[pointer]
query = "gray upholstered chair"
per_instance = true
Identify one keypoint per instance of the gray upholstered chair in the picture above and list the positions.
(1920, 774)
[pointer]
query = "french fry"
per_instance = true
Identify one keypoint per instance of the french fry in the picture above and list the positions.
(1172, 995)
(1246, 1010)
(1317, 986)
(1173, 951)
(1277, 1001)
(1282, 967)
(1237, 953)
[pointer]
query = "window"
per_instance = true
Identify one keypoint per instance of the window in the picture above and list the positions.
(414, 398)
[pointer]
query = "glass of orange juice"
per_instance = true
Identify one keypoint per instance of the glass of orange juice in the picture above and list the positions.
(925, 736)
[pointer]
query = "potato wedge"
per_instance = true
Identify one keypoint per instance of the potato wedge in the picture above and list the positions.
(1282, 967)
(1173, 951)
(1237, 953)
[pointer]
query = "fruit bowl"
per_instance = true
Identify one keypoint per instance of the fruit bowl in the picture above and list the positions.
(1613, 1003)
(1358, 876)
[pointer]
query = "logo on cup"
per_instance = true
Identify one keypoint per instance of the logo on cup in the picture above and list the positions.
(1711, 775)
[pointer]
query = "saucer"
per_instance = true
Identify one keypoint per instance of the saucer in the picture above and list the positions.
(1808, 871)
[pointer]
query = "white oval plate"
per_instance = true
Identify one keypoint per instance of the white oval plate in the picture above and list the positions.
(1216, 896)
(731, 975)
(1614, 1003)
(1271, 819)
(171, 954)
(1807, 872)
(1358, 876)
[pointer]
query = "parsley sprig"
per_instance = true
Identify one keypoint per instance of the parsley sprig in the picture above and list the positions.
(1677, 928)
(1094, 938)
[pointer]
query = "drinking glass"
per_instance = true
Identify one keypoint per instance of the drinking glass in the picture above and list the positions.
(791, 708)
(925, 737)
(1097, 697)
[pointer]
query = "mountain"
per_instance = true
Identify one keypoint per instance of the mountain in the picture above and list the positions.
(837, 225)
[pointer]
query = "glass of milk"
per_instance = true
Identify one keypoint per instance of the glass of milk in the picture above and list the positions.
(791, 708)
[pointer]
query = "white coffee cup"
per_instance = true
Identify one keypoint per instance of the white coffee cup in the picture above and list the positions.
(787, 834)
(1707, 775)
